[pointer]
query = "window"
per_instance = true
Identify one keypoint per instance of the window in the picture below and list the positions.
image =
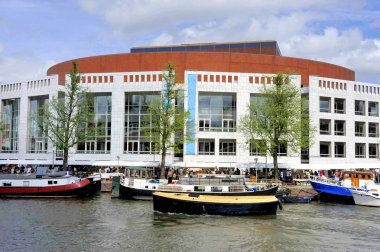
(227, 147)
(206, 147)
(339, 128)
(373, 109)
(360, 150)
(339, 106)
(360, 129)
(324, 149)
(324, 127)
(282, 149)
(255, 149)
(217, 112)
(373, 129)
(359, 107)
(373, 150)
(324, 104)
(340, 150)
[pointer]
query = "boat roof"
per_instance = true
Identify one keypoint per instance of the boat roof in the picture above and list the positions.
(217, 198)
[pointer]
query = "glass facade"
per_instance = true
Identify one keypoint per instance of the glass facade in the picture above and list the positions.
(100, 142)
(217, 112)
(10, 119)
(37, 138)
(137, 121)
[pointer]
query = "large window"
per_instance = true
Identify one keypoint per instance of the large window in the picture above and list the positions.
(100, 141)
(324, 127)
(359, 107)
(339, 106)
(340, 150)
(255, 149)
(339, 127)
(360, 129)
(360, 150)
(373, 129)
(37, 136)
(373, 109)
(10, 119)
(138, 121)
(373, 150)
(227, 147)
(325, 104)
(217, 112)
(324, 149)
(206, 147)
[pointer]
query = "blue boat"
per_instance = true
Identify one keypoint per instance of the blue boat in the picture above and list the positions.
(340, 191)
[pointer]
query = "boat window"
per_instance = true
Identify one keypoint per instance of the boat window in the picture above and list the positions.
(216, 189)
(7, 184)
(55, 182)
(50, 182)
(199, 188)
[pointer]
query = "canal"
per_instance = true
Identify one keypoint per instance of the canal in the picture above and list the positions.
(104, 224)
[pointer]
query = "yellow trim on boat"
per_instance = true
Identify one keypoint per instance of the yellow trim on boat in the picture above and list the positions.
(218, 198)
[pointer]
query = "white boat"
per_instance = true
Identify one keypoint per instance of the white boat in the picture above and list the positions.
(366, 197)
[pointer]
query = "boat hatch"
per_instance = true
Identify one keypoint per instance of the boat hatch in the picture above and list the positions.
(7, 184)
(50, 182)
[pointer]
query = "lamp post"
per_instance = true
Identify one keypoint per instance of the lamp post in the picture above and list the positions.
(256, 167)
(118, 159)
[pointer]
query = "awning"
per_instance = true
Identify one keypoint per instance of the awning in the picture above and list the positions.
(113, 163)
(26, 161)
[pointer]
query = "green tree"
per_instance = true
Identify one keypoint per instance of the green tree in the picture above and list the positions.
(278, 117)
(67, 116)
(170, 125)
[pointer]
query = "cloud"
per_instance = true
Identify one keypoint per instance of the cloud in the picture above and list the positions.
(16, 69)
(323, 30)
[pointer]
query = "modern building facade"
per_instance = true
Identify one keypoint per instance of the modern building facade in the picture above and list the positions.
(219, 81)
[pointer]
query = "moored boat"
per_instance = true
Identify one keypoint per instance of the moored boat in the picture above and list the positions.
(366, 197)
(44, 185)
(340, 191)
(132, 188)
(188, 203)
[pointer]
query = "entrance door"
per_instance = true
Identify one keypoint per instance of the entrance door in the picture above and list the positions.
(90, 146)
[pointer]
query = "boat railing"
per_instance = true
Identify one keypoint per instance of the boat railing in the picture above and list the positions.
(211, 181)
(325, 179)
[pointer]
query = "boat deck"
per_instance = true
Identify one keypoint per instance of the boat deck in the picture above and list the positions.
(218, 199)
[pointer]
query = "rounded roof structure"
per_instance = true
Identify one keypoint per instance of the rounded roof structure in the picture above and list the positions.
(212, 61)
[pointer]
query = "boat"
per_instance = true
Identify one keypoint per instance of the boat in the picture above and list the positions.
(366, 197)
(189, 203)
(143, 189)
(340, 191)
(44, 184)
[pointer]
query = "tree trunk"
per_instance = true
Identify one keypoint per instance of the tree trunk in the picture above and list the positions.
(65, 158)
(275, 165)
(163, 156)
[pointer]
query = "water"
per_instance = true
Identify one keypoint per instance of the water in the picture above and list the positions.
(105, 224)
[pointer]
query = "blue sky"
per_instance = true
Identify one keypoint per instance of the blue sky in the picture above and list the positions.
(35, 35)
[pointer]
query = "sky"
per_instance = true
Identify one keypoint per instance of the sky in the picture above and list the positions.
(35, 35)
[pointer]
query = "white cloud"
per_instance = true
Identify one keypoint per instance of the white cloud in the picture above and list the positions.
(15, 69)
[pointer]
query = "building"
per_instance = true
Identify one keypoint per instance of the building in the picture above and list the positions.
(219, 80)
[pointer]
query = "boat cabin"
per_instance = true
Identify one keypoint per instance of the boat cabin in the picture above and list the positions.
(361, 179)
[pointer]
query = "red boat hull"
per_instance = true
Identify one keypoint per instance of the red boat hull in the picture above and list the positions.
(78, 189)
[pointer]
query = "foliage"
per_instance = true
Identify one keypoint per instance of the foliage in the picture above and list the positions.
(66, 116)
(170, 124)
(278, 116)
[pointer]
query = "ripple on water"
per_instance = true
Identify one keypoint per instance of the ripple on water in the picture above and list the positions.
(105, 224)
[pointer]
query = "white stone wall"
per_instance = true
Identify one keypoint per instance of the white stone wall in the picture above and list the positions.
(323, 87)
(242, 84)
